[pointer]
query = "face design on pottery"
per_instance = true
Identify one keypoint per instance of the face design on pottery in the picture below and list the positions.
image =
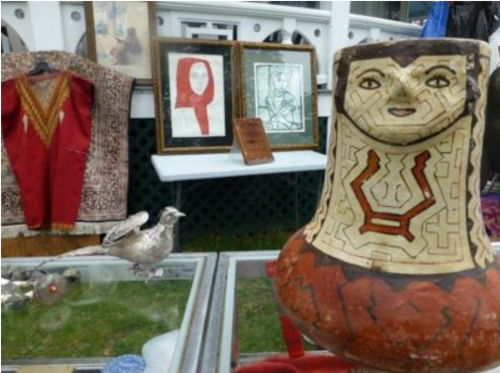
(399, 194)
(400, 105)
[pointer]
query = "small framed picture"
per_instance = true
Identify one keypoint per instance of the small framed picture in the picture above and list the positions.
(278, 85)
(119, 36)
(195, 95)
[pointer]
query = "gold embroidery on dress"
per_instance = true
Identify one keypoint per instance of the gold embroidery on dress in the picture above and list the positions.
(43, 106)
(44, 90)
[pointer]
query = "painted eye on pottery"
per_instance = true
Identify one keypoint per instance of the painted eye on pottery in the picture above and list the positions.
(437, 81)
(439, 77)
(369, 83)
(395, 272)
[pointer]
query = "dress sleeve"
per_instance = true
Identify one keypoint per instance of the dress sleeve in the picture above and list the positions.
(83, 90)
(12, 129)
(8, 103)
(10, 107)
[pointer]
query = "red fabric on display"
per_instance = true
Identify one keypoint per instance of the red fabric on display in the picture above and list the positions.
(266, 367)
(306, 364)
(47, 145)
(187, 98)
(293, 338)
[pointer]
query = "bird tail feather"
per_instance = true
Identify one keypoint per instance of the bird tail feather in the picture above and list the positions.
(84, 251)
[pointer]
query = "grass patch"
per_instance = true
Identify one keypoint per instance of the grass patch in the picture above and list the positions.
(259, 327)
(107, 319)
(118, 318)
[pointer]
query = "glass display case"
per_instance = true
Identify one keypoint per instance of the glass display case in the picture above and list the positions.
(110, 312)
(244, 323)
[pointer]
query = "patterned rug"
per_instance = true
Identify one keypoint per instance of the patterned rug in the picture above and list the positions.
(491, 213)
(104, 195)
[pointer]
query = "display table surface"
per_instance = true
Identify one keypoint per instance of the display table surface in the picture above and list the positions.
(212, 166)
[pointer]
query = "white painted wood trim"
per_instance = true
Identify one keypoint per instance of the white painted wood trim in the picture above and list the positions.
(46, 21)
(246, 9)
(402, 28)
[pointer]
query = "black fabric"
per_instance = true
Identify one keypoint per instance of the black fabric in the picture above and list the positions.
(491, 152)
(473, 19)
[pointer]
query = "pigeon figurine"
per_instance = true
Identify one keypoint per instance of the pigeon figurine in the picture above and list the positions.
(144, 248)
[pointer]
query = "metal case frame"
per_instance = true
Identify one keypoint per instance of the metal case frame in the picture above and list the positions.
(220, 350)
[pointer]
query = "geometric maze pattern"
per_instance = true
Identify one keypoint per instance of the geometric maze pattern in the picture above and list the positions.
(479, 239)
(412, 197)
(401, 187)
(392, 223)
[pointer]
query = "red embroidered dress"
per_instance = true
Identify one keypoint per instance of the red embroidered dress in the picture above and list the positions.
(46, 126)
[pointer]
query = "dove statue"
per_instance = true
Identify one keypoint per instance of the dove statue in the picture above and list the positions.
(145, 248)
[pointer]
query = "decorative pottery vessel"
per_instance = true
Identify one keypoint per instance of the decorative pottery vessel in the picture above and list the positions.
(395, 271)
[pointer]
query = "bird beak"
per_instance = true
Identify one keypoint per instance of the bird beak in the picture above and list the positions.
(180, 214)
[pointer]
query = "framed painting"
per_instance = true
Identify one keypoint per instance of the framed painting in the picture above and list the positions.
(119, 36)
(195, 95)
(278, 85)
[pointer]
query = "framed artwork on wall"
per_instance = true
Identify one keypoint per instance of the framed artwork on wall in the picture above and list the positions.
(119, 35)
(278, 85)
(195, 95)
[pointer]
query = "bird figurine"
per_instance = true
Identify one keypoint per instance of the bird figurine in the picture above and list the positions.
(145, 248)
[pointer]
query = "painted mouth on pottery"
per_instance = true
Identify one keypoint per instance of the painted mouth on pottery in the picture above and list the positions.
(401, 112)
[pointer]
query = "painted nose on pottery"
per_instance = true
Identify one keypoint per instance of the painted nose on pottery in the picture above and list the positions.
(402, 91)
(411, 285)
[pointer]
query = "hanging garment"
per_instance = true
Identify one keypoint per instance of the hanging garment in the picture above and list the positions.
(105, 186)
(473, 19)
(435, 26)
(46, 129)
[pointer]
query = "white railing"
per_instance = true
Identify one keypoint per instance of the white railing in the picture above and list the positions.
(61, 26)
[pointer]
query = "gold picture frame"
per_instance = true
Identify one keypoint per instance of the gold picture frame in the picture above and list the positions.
(220, 58)
(296, 134)
(142, 71)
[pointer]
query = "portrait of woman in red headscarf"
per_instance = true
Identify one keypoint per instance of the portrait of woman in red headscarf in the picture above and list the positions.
(197, 96)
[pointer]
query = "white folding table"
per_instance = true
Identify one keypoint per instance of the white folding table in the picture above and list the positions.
(187, 167)
(174, 168)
